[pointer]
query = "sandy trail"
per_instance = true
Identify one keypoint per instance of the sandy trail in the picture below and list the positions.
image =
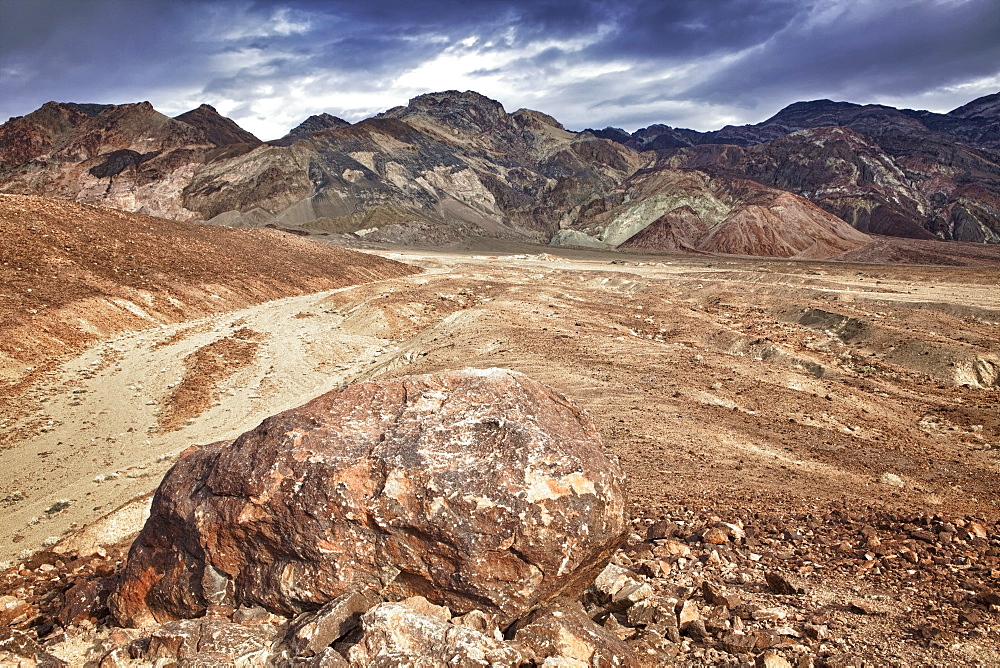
(698, 371)
(100, 442)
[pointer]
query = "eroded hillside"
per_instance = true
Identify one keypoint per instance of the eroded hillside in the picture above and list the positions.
(455, 166)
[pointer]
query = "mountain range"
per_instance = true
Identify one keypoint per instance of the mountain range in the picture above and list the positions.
(813, 181)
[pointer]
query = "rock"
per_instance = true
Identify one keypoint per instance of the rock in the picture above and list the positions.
(987, 596)
(713, 594)
(329, 658)
(763, 638)
(618, 589)
(641, 614)
(310, 635)
(862, 607)
(480, 621)
(697, 630)
(717, 620)
(120, 648)
(85, 600)
(661, 529)
(715, 536)
(891, 479)
(738, 643)
(770, 614)
(816, 631)
(620, 631)
(843, 661)
(562, 630)
(784, 583)
(689, 613)
(396, 634)
(18, 643)
(476, 489)
(771, 659)
(425, 607)
(251, 615)
(205, 640)
(657, 615)
(14, 610)
(18, 648)
(977, 529)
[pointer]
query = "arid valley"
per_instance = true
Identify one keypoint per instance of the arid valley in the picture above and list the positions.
(842, 415)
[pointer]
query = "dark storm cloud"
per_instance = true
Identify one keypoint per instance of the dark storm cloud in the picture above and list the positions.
(50, 48)
(863, 50)
(693, 28)
(587, 62)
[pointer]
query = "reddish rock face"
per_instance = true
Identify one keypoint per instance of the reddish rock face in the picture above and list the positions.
(475, 489)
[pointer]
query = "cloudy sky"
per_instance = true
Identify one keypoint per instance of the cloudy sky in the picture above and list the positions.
(590, 63)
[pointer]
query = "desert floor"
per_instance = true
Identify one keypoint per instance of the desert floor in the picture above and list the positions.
(737, 388)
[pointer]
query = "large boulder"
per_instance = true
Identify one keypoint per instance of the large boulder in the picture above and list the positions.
(477, 489)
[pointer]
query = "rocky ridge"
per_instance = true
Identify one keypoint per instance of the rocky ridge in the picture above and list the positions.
(452, 167)
(449, 160)
(885, 171)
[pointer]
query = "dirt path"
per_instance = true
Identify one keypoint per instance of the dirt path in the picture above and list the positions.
(98, 437)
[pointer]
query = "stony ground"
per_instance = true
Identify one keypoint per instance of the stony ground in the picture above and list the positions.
(832, 424)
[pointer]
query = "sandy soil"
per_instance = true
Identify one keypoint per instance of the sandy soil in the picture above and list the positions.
(731, 387)
(730, 381)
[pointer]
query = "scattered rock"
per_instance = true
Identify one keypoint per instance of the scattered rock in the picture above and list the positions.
(843, 661)
(480, 621)
(313, 633)
(784, 583)
(13, 610)
(86, 600)
(618, 589)
(689, 613)
(561, 634)
(17, 648)
(771, 659)
(207, 640)
(410, 633)
(716, 536)
(738, 643)
(862, 607)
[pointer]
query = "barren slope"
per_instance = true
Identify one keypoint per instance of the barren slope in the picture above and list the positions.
(672, 209)
(71, 274)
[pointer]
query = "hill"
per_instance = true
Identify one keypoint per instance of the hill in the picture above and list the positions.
(73, 273)
(896, 172)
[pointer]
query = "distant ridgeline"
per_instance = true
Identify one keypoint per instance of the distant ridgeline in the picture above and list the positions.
(812, 181)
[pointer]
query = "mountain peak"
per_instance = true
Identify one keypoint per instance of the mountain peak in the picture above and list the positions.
(468, 111)
(314, 124)
(319, 123)
(218, 129)
(806, 113)
(986, 108)
(90, 110)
